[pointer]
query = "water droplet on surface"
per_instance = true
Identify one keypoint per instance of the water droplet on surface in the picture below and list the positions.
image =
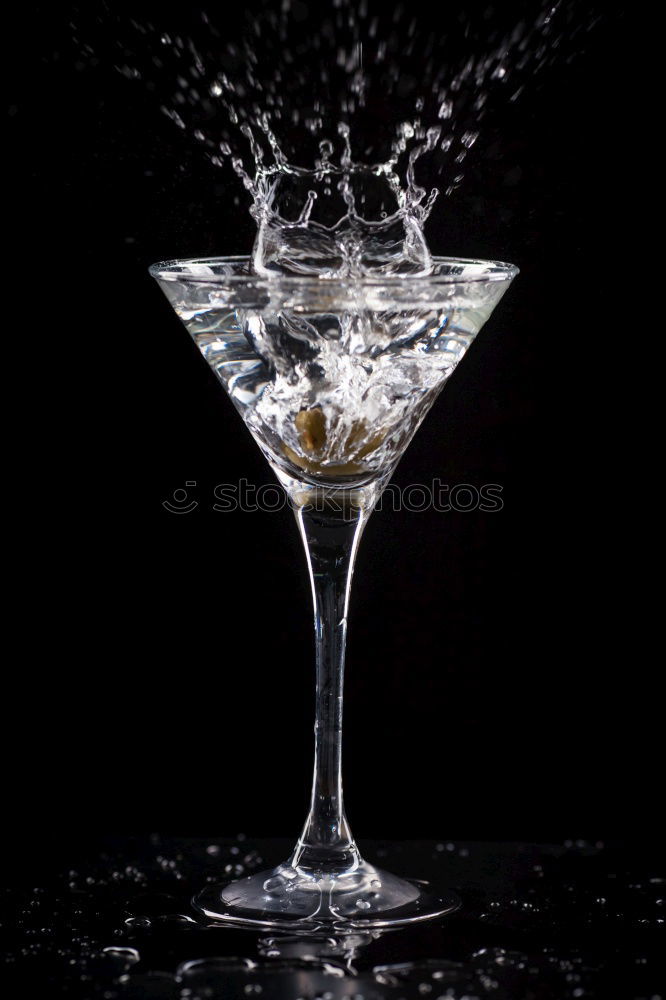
(177, 919)
(130, 955)
(140, 923)
(206, 967)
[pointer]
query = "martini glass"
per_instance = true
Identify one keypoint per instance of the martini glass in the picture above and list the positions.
(332, 376)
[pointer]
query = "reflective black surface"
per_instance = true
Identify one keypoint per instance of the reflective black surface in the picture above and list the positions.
(537, 921)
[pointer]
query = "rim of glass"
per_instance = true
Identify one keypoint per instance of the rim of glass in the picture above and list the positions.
(500, 271)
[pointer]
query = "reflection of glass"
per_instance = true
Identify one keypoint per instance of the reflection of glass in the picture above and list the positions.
(337, 953)
(333, 378)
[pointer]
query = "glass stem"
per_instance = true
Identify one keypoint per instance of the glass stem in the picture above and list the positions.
(331, 528)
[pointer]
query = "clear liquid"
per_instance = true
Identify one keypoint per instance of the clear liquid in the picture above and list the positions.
(334, 394)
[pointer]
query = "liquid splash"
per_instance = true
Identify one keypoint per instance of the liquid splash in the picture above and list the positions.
(283, 74)
(347, 219)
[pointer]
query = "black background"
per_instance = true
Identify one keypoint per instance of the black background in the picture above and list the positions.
(163, 674)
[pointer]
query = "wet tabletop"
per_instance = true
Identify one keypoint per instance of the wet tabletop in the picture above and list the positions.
(579, 920)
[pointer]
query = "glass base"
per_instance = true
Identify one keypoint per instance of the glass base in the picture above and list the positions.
(288, 898)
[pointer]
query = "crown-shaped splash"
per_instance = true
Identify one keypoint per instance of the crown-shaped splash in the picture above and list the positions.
(342, 218)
